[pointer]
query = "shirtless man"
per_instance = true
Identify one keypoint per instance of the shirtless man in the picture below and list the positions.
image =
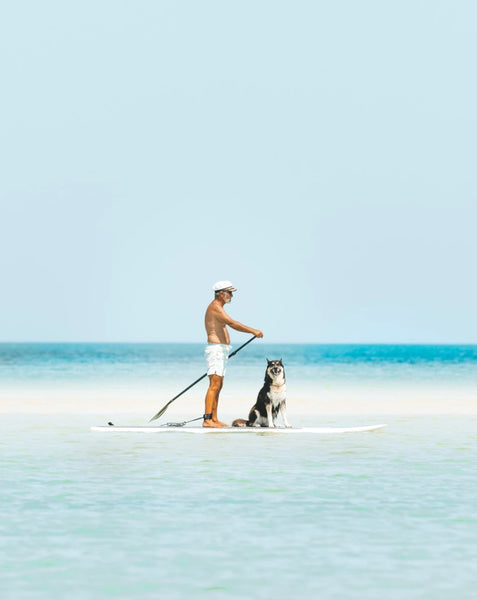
(218, 347)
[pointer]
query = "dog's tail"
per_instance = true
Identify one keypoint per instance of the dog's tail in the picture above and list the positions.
(240, 423)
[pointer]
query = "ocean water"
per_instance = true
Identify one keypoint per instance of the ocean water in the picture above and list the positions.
(168, 368)
(383, 515)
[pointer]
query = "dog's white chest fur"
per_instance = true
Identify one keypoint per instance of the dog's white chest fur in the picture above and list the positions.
(277, 393)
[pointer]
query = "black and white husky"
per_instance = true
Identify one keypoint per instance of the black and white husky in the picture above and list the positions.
(271, 399)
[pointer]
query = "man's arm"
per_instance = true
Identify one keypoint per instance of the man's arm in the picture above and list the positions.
(225, 318)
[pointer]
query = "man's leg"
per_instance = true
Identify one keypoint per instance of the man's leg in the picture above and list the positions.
(215, 419)
(212, 401)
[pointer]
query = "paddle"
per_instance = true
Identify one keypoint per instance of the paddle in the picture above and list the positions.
(165, 407)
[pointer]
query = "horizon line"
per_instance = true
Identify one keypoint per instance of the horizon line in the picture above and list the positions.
(321, 343)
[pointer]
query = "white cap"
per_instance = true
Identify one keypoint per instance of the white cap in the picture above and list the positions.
(224, 285)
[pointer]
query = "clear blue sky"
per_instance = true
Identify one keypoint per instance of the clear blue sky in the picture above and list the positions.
(321, 155)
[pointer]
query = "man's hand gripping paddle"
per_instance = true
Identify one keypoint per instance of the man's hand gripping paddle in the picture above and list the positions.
(166, 406)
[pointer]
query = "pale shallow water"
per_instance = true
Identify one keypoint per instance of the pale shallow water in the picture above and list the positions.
(118, 378)
(384, 515)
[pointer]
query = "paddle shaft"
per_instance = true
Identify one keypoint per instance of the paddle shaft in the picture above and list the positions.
(164, 408)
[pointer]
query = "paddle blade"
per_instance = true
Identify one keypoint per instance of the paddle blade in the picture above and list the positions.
(160, 413)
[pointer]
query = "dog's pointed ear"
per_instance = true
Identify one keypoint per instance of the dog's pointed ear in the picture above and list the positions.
(281, 361)
(268, 361)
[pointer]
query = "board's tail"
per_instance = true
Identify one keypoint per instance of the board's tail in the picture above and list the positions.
(240, 423)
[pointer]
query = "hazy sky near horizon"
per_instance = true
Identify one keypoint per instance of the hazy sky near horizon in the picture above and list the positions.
(321, 155)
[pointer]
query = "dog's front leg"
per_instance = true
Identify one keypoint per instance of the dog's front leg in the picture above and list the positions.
(283, 412)
(269, 416)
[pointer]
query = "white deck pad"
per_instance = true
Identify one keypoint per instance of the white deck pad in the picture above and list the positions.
(242, 430)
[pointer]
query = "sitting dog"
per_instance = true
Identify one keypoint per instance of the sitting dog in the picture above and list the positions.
(271, 399)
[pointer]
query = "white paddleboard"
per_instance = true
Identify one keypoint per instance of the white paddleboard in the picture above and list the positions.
(243, 430)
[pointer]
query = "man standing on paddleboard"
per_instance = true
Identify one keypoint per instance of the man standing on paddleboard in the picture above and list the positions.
(218, 347)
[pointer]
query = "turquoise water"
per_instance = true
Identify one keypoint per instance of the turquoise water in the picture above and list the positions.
(390, 514)
(176, 365)
(383, 515)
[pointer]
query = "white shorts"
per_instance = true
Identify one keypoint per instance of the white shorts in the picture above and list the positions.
(217, 356)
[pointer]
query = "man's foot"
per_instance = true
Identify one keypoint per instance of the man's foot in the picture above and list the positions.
(210, 423)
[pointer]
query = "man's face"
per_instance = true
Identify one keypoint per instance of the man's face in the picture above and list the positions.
(227, 297)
